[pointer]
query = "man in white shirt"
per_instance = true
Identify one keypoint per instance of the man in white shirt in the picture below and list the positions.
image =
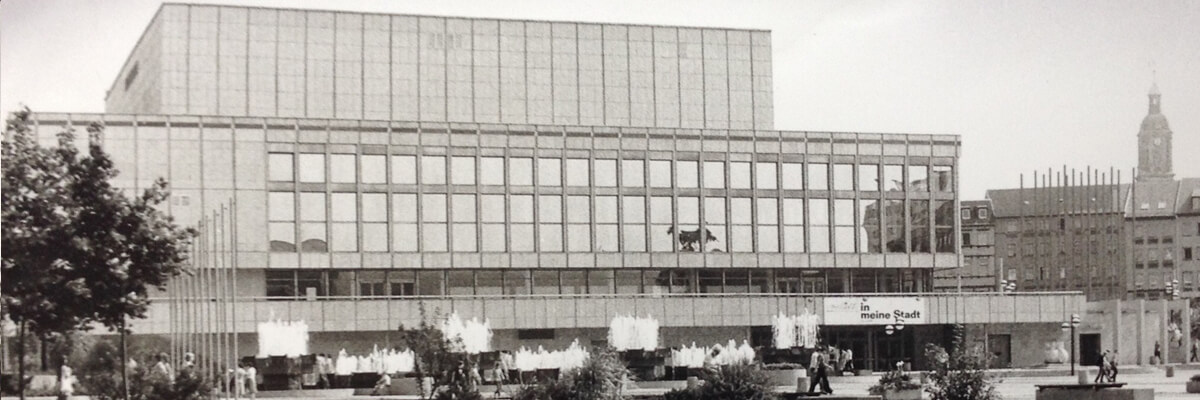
(819, 366)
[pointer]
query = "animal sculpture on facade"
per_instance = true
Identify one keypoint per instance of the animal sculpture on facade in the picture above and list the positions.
(688, 240)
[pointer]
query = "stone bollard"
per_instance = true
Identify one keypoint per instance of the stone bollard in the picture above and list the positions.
(1170, 371)
(693, 382)
(1083, 377)
(802, 384)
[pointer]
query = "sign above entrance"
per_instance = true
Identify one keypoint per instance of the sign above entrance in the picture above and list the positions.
(874, 310)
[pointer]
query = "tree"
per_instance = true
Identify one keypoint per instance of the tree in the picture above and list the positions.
(961, 373)
(77, 250)
(439, 358)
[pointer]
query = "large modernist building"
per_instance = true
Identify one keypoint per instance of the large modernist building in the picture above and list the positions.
(547, 176)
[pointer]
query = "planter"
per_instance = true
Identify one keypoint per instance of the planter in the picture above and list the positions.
(785, 377)
(863, 372)
(1193, 387)
(906, 394)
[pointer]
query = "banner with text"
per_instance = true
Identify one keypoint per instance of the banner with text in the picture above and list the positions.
(874, 310)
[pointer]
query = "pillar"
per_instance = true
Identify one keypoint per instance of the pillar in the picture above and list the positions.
(1140, 323)
(1116, 326)
(1164, 338)
(1187, 332)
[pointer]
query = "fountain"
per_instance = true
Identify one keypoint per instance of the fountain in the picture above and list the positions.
(633, 333)
(282, 338)
(699, 356)
(795, 331)
(475, 336)
(379, 361)
(564, 360)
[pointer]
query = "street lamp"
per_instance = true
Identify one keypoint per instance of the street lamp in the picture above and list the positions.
(1070, 326)
(892, 328)
(1008, 286)
(1172, 289)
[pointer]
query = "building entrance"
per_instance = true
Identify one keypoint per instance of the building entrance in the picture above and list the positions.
(873, 348)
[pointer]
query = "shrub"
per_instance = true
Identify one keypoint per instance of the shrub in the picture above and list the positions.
(894, 380)
(100, 375)
(730, 382)
(960, 374)
(600, 378)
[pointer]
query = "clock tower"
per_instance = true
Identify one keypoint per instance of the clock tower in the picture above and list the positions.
(1154, 142)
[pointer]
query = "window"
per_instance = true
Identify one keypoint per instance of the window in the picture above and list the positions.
(633, 173)
(628, 281)
(918, 178)
(280, 165)
(281, 284)
(843, 229)
(607, 238)
(600, 281)
(765, 175)
(520, 208)
(662, 224)
(982, 213)
(491, 171)
(843, 177)
(943, 220)
(491, 213)
(687, 174)
(818, 176)
(573, 282)
(549, 172)
(462, 170)
(577, 172)
(660, 173)
(893, 177)
(966, 213)
(433, 170)
(404, 170)
(579, 224)
(739, 175)
(550, 232)
(633, 214)
(374, 168)
(282, 217)
(741, 234)
(312, 226)
(344, 230)
(374, 217)
(918, 223)
(714, 175)
(605, 172)
(714, 220)
(462, 212)
(516, 282)
(312, 168)
(433, 216)
(894, 230)
(404, 218)
(431, 283)
(868, 177)
(1187, 253)
(342, 168)
(520, 171)
(793, 176)
(793, 225)
(943, 178)
(768, 225)
(818, 214)
(545, 281)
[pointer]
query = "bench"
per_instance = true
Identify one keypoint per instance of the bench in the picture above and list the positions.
(1096, 391)
(1084, 386)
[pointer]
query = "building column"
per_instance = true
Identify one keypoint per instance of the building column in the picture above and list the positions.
(1187, 332)
(1141, 327)
(1164, 337)
(1116, 327)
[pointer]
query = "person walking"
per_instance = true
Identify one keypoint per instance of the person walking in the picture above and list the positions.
(848, 360)
(162, 369)
(239, 380)
(251, 381)
(835, 360)
(1195, 351)
(1102, 373)
(1112, 367)
(819, 366)
(66, 383)
(498, 373)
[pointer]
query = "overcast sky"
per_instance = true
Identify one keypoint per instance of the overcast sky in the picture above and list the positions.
(1028, 84)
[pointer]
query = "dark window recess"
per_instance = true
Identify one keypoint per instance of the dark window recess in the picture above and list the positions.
(129, 77)
(535, 334)
(1187, 253)
(1168, 239)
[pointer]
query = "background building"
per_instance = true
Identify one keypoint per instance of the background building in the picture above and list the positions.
(979, 272)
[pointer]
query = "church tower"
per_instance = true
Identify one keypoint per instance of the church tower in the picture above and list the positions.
(1154, 142)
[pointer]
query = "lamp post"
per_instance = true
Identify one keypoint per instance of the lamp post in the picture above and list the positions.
(893, 328)
(1007, 286)
(1070, 326)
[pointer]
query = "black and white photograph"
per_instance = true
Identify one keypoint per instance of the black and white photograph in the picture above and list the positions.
(600, 200)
